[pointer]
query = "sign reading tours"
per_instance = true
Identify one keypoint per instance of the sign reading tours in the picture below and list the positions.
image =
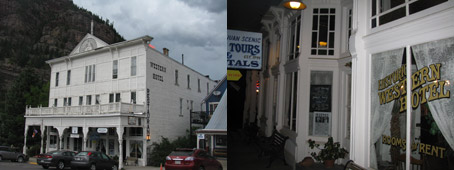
(244, 50)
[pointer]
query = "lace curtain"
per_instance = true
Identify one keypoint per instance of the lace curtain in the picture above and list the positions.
(383, 64)
(441, 51)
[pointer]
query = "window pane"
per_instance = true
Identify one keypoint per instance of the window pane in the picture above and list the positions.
(324, 10)
(332, 21)
(323, 29)
(331, 40)
(314, 40)
(321, 52)
(374, 7)
(424, 4)
(315, 22)
(394, 15)
(388, 4)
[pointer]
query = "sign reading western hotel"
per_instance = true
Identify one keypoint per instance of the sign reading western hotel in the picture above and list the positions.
(427, 75)
(244, 50)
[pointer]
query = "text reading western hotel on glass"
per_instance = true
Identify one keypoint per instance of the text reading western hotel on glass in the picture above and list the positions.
(418, 79)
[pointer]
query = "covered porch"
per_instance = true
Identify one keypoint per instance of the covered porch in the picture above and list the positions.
(117, 129)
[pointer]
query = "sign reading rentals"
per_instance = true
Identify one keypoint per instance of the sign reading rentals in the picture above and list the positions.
(244, 50)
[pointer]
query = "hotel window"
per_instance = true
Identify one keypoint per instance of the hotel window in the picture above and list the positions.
(81, 100)
(69, 101)
(56, 79)
(320, 114)
(385, 11)
(192, 105)
(65, 101)
(111, 98)
(291, 100)
(90, 73)
(88, 100)
(55, 102)
(117, 97)
(189, 82)
(294, 43)
(135, 131)
(323, 31)
(208, 88)
(198, 85)
(97, 99)
(68, 77)
(181, 106)
(115, 69)
(133, 66)
(176, 77)
(133, 97)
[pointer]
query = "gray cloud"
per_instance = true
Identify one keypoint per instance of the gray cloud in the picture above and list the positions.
(196, 28)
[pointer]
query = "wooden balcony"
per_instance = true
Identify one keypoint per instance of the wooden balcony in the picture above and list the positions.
(100, 109)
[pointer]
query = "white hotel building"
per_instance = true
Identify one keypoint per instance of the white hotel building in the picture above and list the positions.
(99, 99)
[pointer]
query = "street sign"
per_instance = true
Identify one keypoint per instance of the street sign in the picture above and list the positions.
(201, 136)
(74, 136)
(233, 75)
(102, 130)
(244, 50)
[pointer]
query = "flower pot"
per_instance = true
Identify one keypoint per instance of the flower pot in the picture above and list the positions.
(329, 163)
(307, 161)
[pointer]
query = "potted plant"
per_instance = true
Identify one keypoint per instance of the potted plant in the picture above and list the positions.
(330, 152)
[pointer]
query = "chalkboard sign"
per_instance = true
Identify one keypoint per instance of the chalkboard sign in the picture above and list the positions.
(320, 98)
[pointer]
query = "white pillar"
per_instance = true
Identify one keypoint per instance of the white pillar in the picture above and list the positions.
(144, 147)
(60, 130)
(48, 138)
(24, 151)
(212, 145)
(43, 128)
(120, 142)
(85, 137)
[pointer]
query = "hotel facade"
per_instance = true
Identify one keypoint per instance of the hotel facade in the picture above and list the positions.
(338, 68)
(117, 98)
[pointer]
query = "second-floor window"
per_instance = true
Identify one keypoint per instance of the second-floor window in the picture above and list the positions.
(189, 82)
(97, 99)
(323, 29)
(81, 100)
(56, 78)
(176, 77)
(55, 102)
(68, 77)
(181, 106)
(115, 69)
(133, 97)
(294, 43)
(133, 66)
(88, 100)
(117, 97)
(198, 84)
(90, 72)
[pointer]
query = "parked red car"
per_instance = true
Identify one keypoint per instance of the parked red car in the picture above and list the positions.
(191, 159)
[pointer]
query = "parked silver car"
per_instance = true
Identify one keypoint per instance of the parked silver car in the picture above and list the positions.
(7, 153)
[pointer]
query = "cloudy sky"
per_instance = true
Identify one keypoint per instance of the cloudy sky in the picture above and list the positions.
(195, 28)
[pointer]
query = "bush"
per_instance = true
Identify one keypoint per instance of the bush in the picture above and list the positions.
(34, 150)
(163, 149)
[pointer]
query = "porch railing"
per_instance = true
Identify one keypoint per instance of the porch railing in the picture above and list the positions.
(99, 109)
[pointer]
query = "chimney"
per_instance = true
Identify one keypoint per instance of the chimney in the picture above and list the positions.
(165, 51)
(182, 59)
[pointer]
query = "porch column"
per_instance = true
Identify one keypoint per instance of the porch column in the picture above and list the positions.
(48, 139)
(144, 147)
(120, 131)
(60, 130)
(212, 145)
(41, 149)
(24, 150)
(85, 133)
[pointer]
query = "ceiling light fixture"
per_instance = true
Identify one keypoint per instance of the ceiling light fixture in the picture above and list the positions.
(294, 4)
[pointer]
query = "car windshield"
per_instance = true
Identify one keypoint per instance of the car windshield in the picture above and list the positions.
(55, 153)
(82, 154)
(181, 153)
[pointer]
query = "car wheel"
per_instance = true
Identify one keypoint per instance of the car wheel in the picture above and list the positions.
(114, 167)
(20, 159)
(61, 165)
(45, 167)
(201, 168)
(92, 167)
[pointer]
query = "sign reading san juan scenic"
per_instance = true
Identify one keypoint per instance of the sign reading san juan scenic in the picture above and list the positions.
(244, 50)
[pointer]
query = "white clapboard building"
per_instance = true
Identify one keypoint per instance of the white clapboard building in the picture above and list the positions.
(117, 98)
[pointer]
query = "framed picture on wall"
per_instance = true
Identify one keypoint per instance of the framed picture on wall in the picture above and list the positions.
(320, 98)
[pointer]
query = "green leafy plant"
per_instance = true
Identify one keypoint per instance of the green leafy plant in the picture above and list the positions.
(330, 151)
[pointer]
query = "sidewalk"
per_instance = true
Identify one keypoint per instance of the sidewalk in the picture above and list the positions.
(223, 161)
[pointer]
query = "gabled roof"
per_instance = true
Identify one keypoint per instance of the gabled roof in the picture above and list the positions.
(97, 43)
(215, 88)
(218, 121)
